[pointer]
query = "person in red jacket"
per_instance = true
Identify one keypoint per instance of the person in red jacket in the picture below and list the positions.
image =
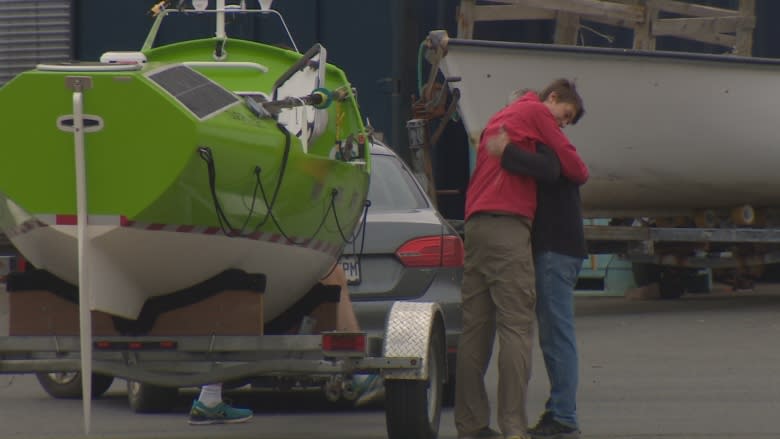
(498, 292)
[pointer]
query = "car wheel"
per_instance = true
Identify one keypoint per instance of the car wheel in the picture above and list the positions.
(67, 385)
(413, 407)
(148, 398)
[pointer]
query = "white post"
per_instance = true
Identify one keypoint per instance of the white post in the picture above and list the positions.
(85, 298)
(220, 19)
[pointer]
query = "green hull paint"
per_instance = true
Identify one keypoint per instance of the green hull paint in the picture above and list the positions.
(144, 164)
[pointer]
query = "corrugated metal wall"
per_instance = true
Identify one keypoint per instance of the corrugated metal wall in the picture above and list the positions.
(33, 32)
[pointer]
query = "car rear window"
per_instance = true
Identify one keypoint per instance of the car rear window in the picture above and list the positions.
(392, 186)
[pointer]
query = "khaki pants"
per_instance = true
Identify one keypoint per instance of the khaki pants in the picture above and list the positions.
(498, 296)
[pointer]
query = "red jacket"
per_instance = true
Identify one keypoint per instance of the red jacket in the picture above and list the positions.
(527, 121)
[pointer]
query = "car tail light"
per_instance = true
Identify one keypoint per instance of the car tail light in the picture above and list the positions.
(21, 264)
(432, 251)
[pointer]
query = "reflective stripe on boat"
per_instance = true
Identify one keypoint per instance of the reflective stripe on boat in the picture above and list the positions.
(88, 67)
(122, 221)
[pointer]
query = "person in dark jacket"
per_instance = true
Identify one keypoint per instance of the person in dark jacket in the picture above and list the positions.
(558, 248)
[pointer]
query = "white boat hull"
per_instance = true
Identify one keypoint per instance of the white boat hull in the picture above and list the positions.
(662, 133)
(128, 264)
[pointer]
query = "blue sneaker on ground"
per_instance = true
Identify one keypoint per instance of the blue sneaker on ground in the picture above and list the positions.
(221, 413)
(370, 388)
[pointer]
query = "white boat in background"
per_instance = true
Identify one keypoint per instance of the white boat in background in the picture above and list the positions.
(663, 133)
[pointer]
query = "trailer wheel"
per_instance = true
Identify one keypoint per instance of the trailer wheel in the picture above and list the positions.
(148, 398)
(672, 284)
(413, 407)
(448, 392)
(67, 385)
(645, 274)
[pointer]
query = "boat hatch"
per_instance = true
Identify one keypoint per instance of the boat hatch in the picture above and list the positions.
(199, 94)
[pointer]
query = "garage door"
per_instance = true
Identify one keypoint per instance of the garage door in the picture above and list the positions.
(33, 32)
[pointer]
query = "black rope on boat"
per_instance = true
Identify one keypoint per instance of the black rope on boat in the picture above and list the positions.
(208, 157)
(331, 208)
(254, 199)
(351, 239)
(224, 223)
(362, 231)
(227, 228)
(270, 206)
(284, 234)
(363, 226)
(282, 171)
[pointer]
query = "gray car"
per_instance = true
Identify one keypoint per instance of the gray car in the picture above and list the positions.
(407, 252)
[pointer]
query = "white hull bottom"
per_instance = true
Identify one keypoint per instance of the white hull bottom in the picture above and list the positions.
(126, 265)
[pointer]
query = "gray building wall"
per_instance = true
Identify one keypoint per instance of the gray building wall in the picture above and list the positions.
(33, 32)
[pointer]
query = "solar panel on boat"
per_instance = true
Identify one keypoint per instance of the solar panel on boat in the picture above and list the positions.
(193, 90)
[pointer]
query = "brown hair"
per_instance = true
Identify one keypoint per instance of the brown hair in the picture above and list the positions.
(567, 92)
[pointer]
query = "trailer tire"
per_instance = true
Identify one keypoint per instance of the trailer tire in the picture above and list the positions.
(672, 284)
(645, 274)
(448, 392)
(413, 407)
(67, 385)
(148, 398)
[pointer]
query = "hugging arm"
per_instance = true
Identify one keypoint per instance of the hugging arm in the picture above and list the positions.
(572, 166)
(543, 165)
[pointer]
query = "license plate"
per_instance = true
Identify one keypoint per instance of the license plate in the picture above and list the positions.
(351, 269)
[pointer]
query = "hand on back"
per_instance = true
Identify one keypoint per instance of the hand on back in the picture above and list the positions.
(496, 143)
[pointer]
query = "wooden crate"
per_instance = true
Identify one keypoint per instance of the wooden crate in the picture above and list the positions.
(729, 28)
(229, 312)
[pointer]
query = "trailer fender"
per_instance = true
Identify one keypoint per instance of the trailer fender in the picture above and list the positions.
(409, 329)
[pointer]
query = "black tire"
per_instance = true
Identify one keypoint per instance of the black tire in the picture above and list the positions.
(148, 398)
(672, 284)
(699, 283)
(67, 385)
(448, 393)
(413, 407)
(645, 274)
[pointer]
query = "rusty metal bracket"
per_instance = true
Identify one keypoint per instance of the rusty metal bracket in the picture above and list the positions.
(447, 115)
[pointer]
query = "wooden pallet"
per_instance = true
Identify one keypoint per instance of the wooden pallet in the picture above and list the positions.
(732, 29)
